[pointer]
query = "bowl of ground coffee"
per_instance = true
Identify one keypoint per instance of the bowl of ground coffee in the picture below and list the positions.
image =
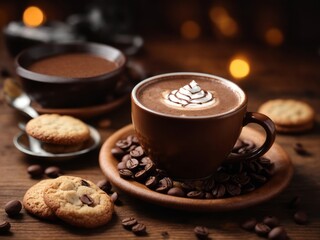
(70, 75)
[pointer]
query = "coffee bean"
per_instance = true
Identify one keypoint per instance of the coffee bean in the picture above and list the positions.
(125, 173)
(150, 167)
(221, 177)
(129, 222)
(258, 178)
(144, 161)
(208, 195)
(52, 172)
(123, 144)
(104, 185)
(137, 152)
(241, 179)
(125, 158)
(141, 175)
(117, 152)
(122, 165)
(271, 221)
(85, 183)
(4, 227)
(164, 185)
(295, 202)
(176, 191)
(299, 148)
(152, 182)
(104, 123)
(219, 191)
(277, 233)
(35, 171)
(139, 229)
(133, 139)
(209, 184)
(248, 188)
(132, 164)
(301, 217)
(132, 147)
(13, 208)
(265, 162)
(233, 189)
(165, 235)
(201, 232)
(86, 199)
(114, 197)
(187, 186)
(249, 224)
(195, 194)
(262, 229)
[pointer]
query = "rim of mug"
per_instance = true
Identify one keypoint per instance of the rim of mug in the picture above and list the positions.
(63, 48)
(242, 104)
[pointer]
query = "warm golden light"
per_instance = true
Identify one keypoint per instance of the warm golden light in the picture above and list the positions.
(274, 37)
(223, 21)
(239, 68)
(33, 17)
(190, 30)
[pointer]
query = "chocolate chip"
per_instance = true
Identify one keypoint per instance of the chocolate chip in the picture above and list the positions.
(277, 233)
(132, 164)
(195, 194)
(137, 152)
(117, 152)
(262, 229)
(125, 173)
(4, 227)
(151, 182)
(249, 224)
(271, 221)
(201, 232)
(104, 185)
(139, 229)
(301, 217)
(299, 148)
(175, 191)
(13, 208)
(35, 171)
(86, 199)
(52, 172)
(85, 183)
(129, 222)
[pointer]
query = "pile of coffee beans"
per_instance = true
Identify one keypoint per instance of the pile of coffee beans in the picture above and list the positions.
(229, 180)
(36, 171)
(133, 225)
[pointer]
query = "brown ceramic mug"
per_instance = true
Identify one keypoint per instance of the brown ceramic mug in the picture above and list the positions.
(191, 144)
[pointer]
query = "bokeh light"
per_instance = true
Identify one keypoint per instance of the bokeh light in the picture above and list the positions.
(239, 68)
(274, 37)
(190, 29)
(33, 16)
(223, 21)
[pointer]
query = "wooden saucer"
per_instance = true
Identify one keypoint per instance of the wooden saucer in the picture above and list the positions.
(279, 181)
(85, 112)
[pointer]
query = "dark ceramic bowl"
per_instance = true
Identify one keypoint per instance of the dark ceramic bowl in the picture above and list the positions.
(62, 92)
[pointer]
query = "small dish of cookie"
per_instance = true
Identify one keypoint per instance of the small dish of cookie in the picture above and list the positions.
(289, 115)
(56, 137)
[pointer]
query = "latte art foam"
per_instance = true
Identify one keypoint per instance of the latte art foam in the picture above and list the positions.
(191, 95)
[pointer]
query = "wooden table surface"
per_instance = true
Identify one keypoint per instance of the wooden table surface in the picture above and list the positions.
(274, 73)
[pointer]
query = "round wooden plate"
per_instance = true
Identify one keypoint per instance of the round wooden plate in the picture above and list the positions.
(85, 112)
(279, 181)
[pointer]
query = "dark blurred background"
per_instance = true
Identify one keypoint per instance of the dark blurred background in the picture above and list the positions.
(280, 23)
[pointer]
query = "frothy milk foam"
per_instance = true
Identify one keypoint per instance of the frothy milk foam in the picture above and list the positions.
(187, 96)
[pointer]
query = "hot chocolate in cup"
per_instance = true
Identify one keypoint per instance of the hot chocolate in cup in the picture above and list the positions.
(188, 123)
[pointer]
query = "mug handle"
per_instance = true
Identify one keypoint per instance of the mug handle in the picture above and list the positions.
(269, 128)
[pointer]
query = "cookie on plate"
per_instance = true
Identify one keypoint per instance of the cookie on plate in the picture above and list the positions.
(34, 203)
(78, 202)
(59, 133)
(289, 115)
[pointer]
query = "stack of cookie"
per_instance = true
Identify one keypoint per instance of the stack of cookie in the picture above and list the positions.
(74, 200)
(59, 134)
(289, 116)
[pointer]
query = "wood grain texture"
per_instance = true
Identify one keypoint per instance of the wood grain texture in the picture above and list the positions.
(274, 74)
